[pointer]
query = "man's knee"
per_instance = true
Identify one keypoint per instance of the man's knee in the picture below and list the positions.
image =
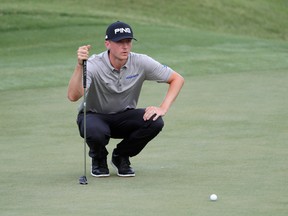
(157, 125)
(97, 134)
(96, 130)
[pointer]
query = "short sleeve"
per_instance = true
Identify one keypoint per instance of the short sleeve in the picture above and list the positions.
(154, 70)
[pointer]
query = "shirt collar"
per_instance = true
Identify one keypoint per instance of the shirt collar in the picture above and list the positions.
(107, 60)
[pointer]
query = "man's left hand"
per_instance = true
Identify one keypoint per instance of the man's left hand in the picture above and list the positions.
(154, 112)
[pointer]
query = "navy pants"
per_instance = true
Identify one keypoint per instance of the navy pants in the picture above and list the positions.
(128, 126)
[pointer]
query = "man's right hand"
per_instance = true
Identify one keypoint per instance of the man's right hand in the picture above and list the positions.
(83, 53)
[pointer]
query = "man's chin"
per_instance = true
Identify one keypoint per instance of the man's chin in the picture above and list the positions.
(124, 57)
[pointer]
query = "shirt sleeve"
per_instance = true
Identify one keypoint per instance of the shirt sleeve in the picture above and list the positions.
(154, 70)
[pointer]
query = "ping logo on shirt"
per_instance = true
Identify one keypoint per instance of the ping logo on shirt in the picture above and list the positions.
(132, 76)
(122, 30)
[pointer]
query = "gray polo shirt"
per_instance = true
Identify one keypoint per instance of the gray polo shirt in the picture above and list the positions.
(110, 91)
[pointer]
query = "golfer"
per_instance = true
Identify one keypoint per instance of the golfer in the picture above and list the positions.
(114, 81)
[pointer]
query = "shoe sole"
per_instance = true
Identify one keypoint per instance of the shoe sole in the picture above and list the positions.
(121, 175)
(100, 176)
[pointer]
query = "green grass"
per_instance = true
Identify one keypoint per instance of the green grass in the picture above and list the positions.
(226, 133)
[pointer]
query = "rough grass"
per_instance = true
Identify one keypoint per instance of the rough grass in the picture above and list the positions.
(258, 18)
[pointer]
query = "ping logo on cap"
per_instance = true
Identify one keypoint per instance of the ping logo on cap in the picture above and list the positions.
(118, 31)
(122, 30)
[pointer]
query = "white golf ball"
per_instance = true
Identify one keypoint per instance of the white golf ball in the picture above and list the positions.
(213, 197)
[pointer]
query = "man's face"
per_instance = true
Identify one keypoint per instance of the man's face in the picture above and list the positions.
(119, 49)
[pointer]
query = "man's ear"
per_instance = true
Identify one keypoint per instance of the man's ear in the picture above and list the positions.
(107, 44)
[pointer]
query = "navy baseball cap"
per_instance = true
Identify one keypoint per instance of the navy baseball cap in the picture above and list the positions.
(118, 31)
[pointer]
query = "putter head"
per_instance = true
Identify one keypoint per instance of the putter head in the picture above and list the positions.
(83, 180)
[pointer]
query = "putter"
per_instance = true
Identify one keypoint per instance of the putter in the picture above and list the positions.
(83, 179)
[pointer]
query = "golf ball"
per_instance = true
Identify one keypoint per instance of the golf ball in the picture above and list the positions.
(213, 197)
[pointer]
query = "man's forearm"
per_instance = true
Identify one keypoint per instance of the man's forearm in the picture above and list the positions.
(75, 88)
(175, 85)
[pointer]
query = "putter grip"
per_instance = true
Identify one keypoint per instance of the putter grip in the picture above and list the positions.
(84, 73)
